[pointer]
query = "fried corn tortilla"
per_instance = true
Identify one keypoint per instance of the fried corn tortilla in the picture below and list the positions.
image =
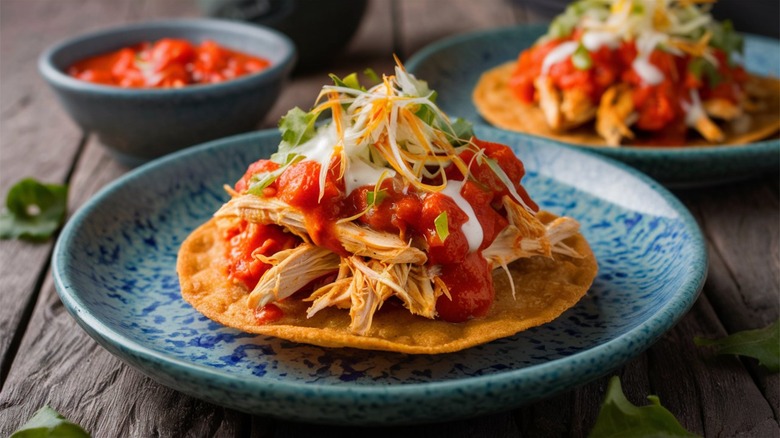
(496, 104)
(545, 288)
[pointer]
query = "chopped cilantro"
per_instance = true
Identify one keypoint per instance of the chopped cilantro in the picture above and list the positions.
(442, 226)
(581, 58)
(704, 70)
(727, 39)
(375, 197)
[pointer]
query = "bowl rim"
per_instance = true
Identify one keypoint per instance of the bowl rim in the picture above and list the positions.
(58, 78)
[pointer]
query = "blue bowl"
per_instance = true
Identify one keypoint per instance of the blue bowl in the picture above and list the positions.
(137, 125)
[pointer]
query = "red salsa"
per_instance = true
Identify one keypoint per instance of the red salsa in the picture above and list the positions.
(658, 107)
(167, 63)
(407, 212)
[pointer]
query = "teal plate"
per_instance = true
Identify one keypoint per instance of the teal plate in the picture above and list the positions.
(453, 66)
(114, 268)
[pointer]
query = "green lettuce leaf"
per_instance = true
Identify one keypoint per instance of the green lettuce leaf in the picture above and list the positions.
(48, 423)
(619, 417)
(459, 132)
(762, 344)
(297, 126)
(349, 81)
(34, 211)
(726, 38)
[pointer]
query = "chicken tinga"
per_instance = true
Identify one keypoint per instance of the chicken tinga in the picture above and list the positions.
(634, 72)
(381, 228)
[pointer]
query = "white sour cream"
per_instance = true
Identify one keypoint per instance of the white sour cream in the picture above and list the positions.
(649, 73)
(693, 110)
(558, 54)
(360, 173)
(472, 229)
(594, 40)
(645, 44)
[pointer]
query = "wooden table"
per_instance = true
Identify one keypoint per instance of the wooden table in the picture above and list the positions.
(45, 358)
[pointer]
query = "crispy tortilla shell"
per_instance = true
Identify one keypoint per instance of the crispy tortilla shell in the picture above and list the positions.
(545, 289)
(496, 103)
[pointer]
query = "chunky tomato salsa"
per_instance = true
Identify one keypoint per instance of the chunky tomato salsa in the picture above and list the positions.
(167, 63)
(408, 212)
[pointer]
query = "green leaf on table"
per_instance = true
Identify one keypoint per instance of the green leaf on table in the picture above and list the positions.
(619, 417)
(48, 423)
(34, 211)
(762, 344)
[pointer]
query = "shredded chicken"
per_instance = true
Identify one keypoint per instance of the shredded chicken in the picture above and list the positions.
(291, 270)
(380, 130)
(722, 109)
(355, 239)
(382, 265)
(707, 128)
(576, 107)
(550, 102)
(615, 114)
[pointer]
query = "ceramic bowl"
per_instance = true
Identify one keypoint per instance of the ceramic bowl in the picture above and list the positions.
(334, 22)
(137, 125)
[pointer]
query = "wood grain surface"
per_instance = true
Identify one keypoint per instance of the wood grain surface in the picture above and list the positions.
(46, 358)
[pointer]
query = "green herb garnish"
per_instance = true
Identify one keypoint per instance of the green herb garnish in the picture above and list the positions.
(619, 417)
(375, 197)
(705, 70)
(349, 81)
(48, 423)
(726, 38)
(581, 58)
(762, 344)
(442, 226)
(35, 211)
(297, 127)
(371, 75)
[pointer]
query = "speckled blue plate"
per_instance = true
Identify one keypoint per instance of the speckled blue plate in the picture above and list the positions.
(453, 66)
(114, 268)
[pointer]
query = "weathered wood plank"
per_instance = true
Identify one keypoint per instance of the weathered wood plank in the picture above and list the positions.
(741, 222)
(38, 138)
(60, 365)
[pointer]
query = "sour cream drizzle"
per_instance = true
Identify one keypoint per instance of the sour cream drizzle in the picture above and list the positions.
(623, 24)
(359, 173)
(558, 54)
(472, 229)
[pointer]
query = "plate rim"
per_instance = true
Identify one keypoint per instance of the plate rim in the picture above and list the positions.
(658, 324)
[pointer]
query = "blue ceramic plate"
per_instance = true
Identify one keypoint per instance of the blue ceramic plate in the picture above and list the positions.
(114, 267)
(453, 66)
